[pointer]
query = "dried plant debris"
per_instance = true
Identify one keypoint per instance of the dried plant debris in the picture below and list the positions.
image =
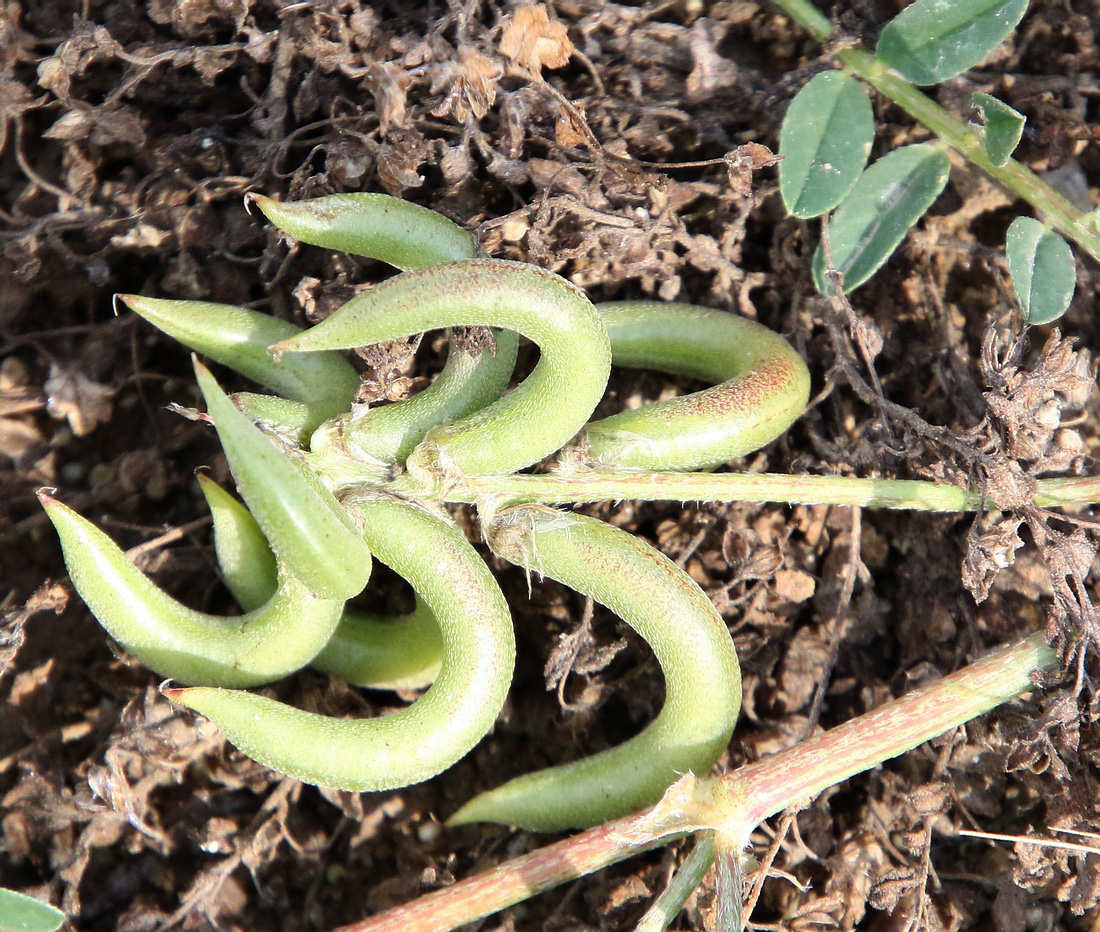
(1033, 428)
(1034, 411)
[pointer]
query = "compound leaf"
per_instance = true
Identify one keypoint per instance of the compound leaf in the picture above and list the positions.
(1043, 272)
(933, 40)
(1003, 127)
(825, 141)
(887, 200)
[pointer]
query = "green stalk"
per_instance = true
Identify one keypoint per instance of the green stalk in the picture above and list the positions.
(1062, 214)
(735, 803)
(808, 17)
(688, 876)
(544, 868)
(592, 485)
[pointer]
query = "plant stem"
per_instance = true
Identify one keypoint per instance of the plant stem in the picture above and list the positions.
(737, 802)
(616, 485)
(688, 876)
(751, 794)
(543, 869)
(808, 17)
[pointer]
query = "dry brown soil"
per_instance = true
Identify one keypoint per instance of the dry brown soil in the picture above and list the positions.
(131, 132)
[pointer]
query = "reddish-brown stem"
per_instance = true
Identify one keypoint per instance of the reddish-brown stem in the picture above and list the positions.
(530, 874)
(751, 794)
(738, 801)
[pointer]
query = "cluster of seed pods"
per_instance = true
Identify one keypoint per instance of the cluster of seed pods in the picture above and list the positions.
(315, 472)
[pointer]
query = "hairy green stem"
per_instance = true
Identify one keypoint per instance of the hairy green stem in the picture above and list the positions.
(617, 485)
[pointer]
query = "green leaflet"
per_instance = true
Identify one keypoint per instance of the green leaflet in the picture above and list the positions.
(21, 913)
(886, 201)
(1002, 130)
(933, 40)
(1044, 274)
(825, 141)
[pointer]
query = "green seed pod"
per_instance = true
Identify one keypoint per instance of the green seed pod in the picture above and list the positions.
(764, 387)
(435, 731)
(377, 226)
(238, 338)
(692, 645)
(366, 649)
(245, 559)
(406, 236)
(310, 532)
(274, 640)
(538, 416)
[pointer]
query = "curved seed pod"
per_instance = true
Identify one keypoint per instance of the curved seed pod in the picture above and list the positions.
(245, 559)
(538, 416)
(377, 226)
(309, 530)
(764, 387)
(467, 384)
(374, 651)
(436, 730)
(691, 643)
(281, 636)
(238, 338)
(409, 237)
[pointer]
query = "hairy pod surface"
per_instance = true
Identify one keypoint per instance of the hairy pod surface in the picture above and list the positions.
(436, 730)
(248, 566)
(310, 532)
(377, 226)
(384, 652)
(764, 387)
(692, 645)
(238, 338)
(540, 414)
(274, 640)
(366, 649)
